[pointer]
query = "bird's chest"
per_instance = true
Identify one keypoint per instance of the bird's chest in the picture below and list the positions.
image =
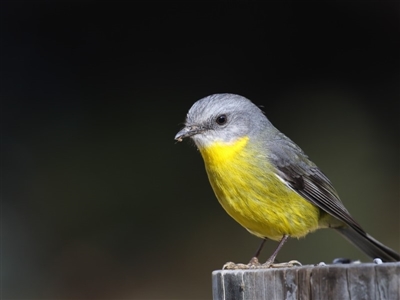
(241, 187)
(240, 180)
(248, 189)
(231, 173)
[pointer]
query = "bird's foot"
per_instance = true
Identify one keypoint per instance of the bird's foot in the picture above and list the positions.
(254, 264)
(289, 264)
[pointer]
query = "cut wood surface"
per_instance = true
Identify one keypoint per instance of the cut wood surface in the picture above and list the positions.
(346, 281)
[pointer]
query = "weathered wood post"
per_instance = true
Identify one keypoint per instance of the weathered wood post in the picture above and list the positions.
(336, 282)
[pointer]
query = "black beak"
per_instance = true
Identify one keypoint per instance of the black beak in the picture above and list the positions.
(188, 131)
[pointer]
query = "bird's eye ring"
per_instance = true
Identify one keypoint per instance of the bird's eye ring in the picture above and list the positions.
(221, 119)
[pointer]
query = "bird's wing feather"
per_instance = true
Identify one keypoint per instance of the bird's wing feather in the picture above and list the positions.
(305, 178)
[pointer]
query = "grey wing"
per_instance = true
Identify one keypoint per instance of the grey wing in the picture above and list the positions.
(304, 177)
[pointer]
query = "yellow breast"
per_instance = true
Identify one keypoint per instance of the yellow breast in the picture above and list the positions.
(245, 184)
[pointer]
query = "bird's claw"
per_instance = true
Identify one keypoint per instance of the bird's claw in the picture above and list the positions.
(254, 264)
(289, 264)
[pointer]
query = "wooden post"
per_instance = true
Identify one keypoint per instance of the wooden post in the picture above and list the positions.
(346, 281)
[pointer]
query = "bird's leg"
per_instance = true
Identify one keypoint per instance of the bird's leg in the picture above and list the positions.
(270, 262)
(260, 248)
(273, 256)
(254, 260)
(253, 263)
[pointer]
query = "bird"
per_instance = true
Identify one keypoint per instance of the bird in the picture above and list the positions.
(264, 181)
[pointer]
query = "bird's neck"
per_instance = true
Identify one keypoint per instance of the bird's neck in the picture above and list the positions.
(220, 153)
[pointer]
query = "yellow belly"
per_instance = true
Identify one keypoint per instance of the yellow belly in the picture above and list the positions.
(248, 189)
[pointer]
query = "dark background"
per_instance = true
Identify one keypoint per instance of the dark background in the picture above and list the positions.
(99, 202)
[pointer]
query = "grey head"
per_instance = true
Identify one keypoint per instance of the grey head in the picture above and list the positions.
(222, 118)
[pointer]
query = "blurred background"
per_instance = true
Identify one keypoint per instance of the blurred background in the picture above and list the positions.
(97, 199)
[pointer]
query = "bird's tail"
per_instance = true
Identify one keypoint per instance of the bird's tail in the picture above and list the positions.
(369, 245)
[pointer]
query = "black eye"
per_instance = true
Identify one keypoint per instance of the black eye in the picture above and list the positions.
(221, 119)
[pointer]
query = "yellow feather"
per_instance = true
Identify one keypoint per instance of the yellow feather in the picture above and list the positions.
(248, 189)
